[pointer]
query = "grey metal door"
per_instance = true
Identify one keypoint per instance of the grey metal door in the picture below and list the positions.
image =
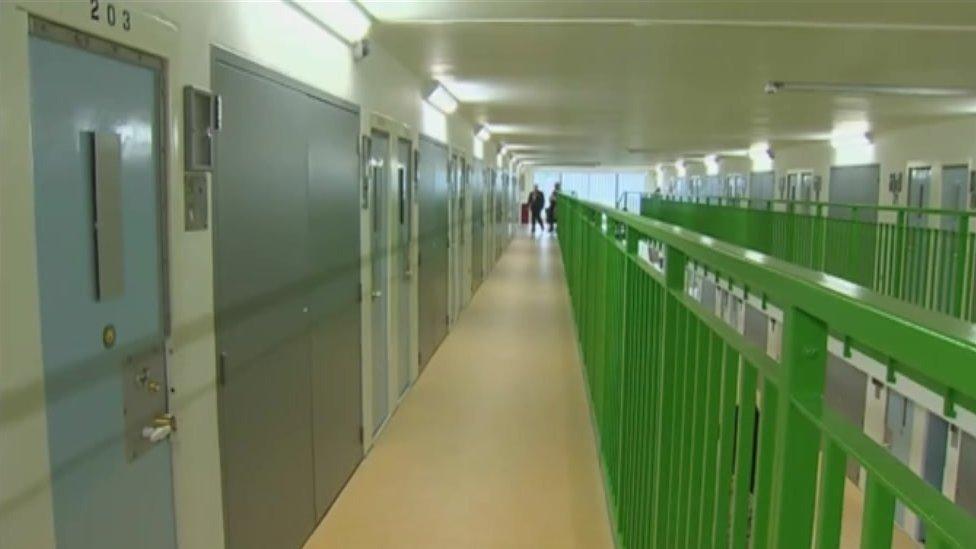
(477, 225)
(454, 186)
(853, 236)
(433, 202)
(405, 195)
(286, 290)
(97, 141)
(854, 185)
(762, 188)
(379, 259)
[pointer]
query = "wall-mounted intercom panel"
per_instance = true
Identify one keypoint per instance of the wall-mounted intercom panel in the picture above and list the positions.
(201, 120)
(894, 185)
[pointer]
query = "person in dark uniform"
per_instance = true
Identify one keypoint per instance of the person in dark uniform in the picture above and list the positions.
(551, 212)
(537, 202)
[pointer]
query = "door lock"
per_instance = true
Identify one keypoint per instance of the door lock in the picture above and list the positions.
(162, 427)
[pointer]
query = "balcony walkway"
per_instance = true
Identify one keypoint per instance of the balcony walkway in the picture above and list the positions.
(493, 447)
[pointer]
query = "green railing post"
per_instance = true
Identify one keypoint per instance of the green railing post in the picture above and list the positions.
(899, 263)
(794, 490)
(853, 270)
(879, 510)
(830, 505)
(675, 263)
(959, 266)
(820, 239)
(790, 232)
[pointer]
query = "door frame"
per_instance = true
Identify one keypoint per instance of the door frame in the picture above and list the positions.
(395, 131)
(28, 478)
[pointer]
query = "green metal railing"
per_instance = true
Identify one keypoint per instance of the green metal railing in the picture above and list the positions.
(674, 392)
(926, 257)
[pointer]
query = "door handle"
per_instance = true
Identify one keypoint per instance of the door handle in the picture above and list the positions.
(377, 294)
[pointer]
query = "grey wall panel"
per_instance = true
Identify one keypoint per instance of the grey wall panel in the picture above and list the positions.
(286, 273)
(433, 238)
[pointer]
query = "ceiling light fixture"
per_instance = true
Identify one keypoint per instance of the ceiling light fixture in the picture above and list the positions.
(761, 156)
(679, 166)
(760, 151)
(438, 96)
(711, 164)
(343, 18)
(774, 87)
(850, 137)
(482, 132)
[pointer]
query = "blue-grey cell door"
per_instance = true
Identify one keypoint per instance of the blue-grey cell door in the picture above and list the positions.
(899, 415)
(380, 264)
(762, 188)
(955, 179)
(95, 123)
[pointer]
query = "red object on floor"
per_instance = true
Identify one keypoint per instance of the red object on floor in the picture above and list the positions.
(525, 213)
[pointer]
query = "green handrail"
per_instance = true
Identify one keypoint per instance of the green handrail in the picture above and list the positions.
(673, 388)
(893, 250)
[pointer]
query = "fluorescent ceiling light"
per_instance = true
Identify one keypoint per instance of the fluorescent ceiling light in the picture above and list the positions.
(773, 87)
(760, 151)
(482, 132)
(344, 18)
(841, 140)
(438, 96)
(711, 164)
(679, 166)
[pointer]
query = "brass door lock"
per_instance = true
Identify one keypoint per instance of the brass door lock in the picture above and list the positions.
(162, 427)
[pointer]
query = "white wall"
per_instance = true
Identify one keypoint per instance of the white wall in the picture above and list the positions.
(952, 141)
(272, 34)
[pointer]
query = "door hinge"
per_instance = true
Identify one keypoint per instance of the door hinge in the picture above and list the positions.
(222, 369)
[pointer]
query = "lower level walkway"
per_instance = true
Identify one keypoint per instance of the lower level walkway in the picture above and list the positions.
(493, 446)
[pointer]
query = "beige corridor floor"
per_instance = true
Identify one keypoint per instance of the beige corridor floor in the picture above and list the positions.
(493, 447)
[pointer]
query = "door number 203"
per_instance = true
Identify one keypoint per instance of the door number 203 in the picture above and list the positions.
(114, 17)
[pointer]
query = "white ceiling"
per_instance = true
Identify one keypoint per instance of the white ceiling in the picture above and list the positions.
(638, 82)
